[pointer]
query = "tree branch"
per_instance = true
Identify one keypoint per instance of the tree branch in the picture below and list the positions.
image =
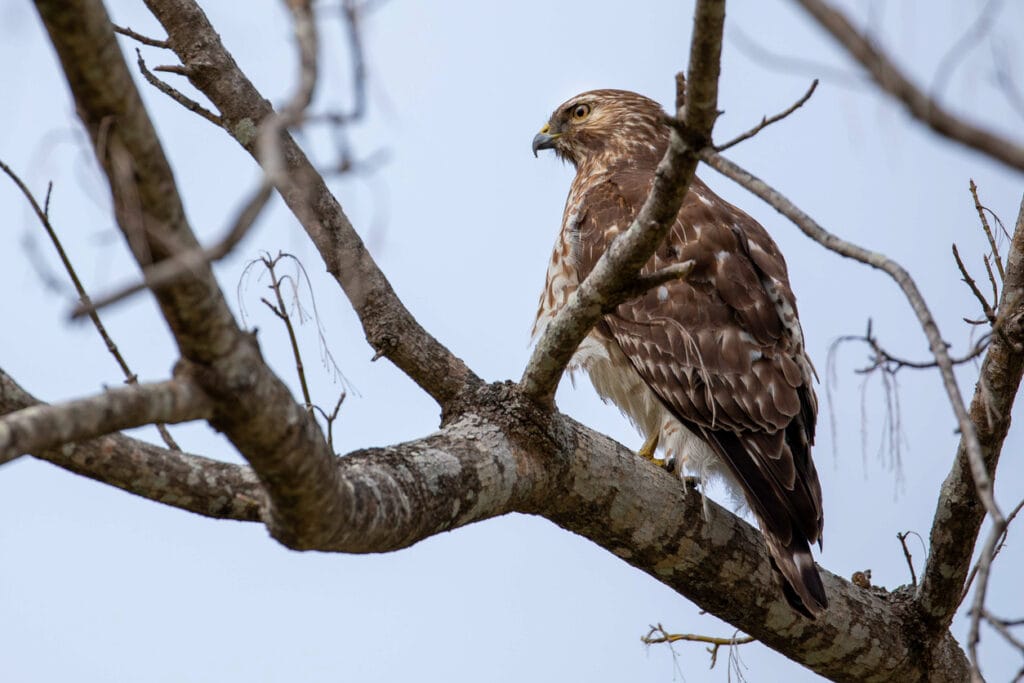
(474, 470)
(42, 213)
(769, 120)
(174, 94)
(609, 282)
(891, 80)
(189, 482)
(390, 329)
(254, 409)
(958, 514)
(43, 427)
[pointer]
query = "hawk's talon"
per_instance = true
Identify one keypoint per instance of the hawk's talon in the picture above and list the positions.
(648, 449)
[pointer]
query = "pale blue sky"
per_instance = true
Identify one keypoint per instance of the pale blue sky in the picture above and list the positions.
(97, 585)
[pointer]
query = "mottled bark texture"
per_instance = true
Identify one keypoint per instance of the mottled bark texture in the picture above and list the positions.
(41, 427)
(190, 482)
(498, 451)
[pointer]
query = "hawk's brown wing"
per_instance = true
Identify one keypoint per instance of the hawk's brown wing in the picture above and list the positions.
(724, 352)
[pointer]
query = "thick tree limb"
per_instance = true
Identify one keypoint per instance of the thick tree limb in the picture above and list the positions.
(958, 513)
(251, 405)
(891, 80)
(472, 470)
(390, 328)
(42, 427)
(190, 482)
(609, 283)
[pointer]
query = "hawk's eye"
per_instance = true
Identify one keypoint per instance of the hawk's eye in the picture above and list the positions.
(580, 112)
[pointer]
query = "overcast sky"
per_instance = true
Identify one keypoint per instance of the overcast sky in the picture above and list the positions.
(97, 585)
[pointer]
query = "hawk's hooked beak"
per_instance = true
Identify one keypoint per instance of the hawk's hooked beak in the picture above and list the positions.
(544, 139)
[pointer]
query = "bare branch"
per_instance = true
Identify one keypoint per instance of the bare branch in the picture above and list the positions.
(43, 214)
(281, 311)
(958, 515)
(330, 418)
(890, 364)
(645, 283)
(986, 307)
(171, 270)
(189, 482)
(253, 407)
(390, 328)
(906, 553)
(767, 121)
(988, 231)
(620, 264)
(44, 219)
(43, 427)
(995, 553)
(175, 94)
(145, 40)
(891, 80)
(176, 69)
(812, 229)
(1002, 626)
(658, 634)
(995, 540)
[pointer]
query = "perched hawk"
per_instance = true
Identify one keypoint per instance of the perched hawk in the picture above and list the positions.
(711, 369)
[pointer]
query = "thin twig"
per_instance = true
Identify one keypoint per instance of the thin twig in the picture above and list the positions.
(988, 231)
(176, 69)
(645, 283)
(996, 538)
(999, 547)
(882, 359)
(281, 311)
(1002, 626)
(986, 307)
(168, 271)
(906, 554)
(767, 121)
(329, 419)
(43, 214)
(145, 40)
(177, 95)
(715, 642)
(991, 277)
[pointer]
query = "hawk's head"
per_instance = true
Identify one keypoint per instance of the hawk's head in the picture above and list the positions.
(604, 126)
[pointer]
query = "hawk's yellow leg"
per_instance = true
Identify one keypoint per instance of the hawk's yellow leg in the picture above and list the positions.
(650, 446)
